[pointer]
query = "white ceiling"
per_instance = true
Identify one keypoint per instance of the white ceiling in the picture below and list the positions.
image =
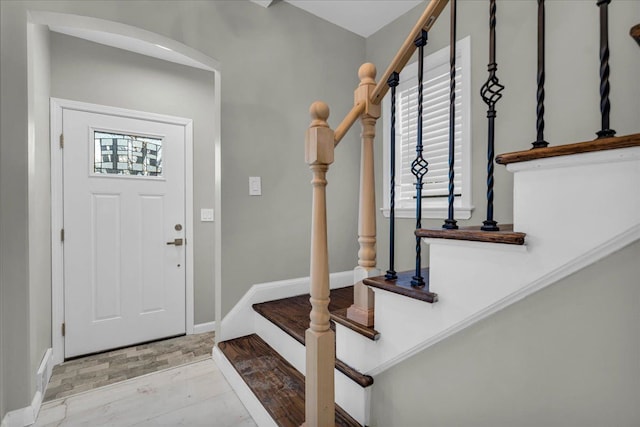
(363, 17)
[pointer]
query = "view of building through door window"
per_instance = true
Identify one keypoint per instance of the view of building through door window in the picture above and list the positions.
(127, 154)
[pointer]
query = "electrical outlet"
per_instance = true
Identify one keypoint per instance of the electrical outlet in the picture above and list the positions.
(206, 215)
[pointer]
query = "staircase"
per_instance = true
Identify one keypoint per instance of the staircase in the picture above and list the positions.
(571, 208)
(472, 275)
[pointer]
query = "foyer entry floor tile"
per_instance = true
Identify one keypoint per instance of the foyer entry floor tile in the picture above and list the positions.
(97, 370)
(191, 395)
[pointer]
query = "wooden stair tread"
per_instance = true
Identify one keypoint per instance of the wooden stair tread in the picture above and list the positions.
(506, 234)
(340, 316)
(568, 149)
(402, 285)
(277, 384)
(292, 316)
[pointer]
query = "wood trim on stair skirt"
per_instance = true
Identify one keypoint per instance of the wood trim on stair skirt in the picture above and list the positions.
(568, 149)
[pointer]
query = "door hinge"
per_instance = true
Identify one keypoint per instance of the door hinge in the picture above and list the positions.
(62, 235)
(61, 140)
(64, 329)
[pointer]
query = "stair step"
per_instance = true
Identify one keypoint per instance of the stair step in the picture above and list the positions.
(612, 143)
(402, 286)
(506, 234)
(277, 384)
(292, 316)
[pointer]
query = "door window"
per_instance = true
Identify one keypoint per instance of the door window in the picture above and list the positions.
(122, 154)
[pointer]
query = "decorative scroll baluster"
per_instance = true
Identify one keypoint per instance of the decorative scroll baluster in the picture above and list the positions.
(419, 167)
(319, 338)
(393, 82)
(491, 93)
(605, 105)
(540, 142)
(450, 223)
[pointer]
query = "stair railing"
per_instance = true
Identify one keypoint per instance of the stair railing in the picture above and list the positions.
(319, 146)
(319, 152)
(321, 142)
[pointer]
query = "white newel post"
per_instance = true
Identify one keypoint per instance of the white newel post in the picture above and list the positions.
(320, 339)
(363, 299)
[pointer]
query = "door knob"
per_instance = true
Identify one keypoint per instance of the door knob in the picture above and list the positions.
(176, 242)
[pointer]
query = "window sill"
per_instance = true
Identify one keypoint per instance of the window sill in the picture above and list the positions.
(431, 212)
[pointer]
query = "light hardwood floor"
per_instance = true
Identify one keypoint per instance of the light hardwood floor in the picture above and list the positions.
(189, 395)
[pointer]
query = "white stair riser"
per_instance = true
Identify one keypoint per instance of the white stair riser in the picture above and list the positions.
(570, 209)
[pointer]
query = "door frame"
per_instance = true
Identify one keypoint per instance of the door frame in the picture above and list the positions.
(57, 105)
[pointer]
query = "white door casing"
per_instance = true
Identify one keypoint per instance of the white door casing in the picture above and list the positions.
(122, 283)
(198, 60)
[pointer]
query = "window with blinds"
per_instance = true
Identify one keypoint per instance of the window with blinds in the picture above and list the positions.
(435, 135)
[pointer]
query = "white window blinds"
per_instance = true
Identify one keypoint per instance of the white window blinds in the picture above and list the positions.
(435, 132)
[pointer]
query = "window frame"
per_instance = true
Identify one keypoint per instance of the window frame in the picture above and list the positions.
(434, 207)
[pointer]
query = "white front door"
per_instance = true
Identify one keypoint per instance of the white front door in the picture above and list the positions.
(124, 218)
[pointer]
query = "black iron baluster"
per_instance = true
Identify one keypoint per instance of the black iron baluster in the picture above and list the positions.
(391, 272)
(491, 93)
(540, 142)
(450, 223)
(419, 167)
(605, 105)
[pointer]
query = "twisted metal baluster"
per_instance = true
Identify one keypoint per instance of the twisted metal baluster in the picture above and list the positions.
(540, 142)
(491, 93)
(605, 105)
(450, 223)
(393, 82)
(419, 167)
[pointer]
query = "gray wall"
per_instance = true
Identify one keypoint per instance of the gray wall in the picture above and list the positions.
(572, 89)
(566, 356)
(14, 239)
(275, 63)
(90, 72)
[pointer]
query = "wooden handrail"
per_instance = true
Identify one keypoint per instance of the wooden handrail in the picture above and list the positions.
(348, 121)
(425, 22)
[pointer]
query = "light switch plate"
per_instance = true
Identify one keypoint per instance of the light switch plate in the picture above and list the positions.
(255, 186)
(206, 215)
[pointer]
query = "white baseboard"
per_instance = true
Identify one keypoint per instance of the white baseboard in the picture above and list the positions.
(26, 416)
(201, 328)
